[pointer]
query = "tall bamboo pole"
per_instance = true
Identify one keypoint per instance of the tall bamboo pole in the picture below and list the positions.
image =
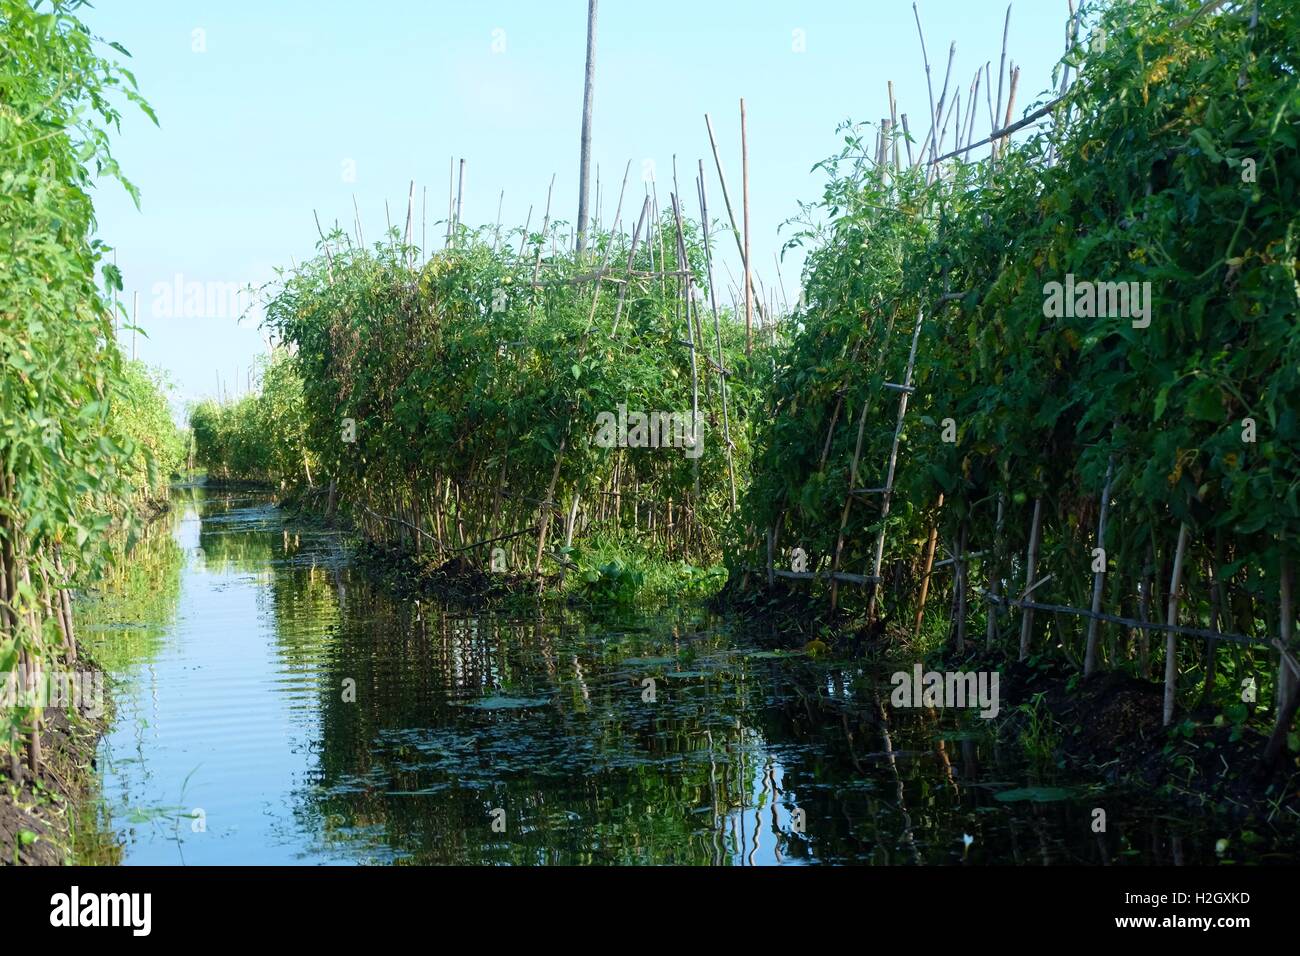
(1171, 618)
(1098, 577)
(1288, 683)
(749, 280)
(717, 332)
(929, 566)
(1031, 567)
(584, 160)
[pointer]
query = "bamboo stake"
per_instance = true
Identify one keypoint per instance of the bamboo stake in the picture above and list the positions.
(1002, 69)
(992, 624)
(925, 58)
(1098, 577)
(893, 464)
(929, 567)
(848, 504)
(1171, 617)
(961, 586)
(726, 194)
(584, 158)
(451, 200)
(460, 194)
(1031, 566)
(749, 281)
(1011, 101)
(1288, 684)
(546, 224)
(717, 331)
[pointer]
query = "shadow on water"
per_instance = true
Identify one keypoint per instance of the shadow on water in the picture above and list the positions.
(275, 706)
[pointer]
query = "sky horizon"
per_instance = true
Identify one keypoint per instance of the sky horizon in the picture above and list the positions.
(271, 115)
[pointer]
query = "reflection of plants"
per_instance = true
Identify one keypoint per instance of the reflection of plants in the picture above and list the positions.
(1040, 736)
(130, 614)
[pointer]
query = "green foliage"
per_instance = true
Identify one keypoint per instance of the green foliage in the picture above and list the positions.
(142, 421)
(71, 461)
(259, 437)
(467, 386)
(1143, 177)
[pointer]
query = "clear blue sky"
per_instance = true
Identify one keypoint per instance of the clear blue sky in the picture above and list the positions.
(255, 131)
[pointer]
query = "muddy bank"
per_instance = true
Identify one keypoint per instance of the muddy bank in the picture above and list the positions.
(43, 815)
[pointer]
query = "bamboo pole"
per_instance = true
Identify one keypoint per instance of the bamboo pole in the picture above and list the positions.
(892, 467)
(451, 198)
(1002, 69)
(460, 195)
(1098, 577)
(929, 84)
(992, 624)
(1288, 684)
(1031, 567)
(717, 331)
(546, 225)
(1171, 641)
(1144, 613)
(749, 280)
(961, 585)
(726, 194)
(930, 545)
(584, 153)
(848, 503)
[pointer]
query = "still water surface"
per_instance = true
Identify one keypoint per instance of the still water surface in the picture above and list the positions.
(276, 706)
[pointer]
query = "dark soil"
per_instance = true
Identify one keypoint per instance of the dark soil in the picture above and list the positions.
(38, 812)
(456, 581)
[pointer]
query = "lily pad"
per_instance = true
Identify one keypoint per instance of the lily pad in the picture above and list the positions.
(507, 703)
(1034, 794)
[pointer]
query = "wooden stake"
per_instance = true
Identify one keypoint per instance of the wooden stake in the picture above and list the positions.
(893, 464)
(749, 280)
(1002, 68)
(1031, 566)
(460, 194)
(726, 195)
(1171, 618)
(1288, 683)
(1098, 577)
(717, 332)
(584, 158)
(994, 581)
(961, 586)
(929, 566)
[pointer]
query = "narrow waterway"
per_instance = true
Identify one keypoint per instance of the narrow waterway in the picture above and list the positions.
(273, 705)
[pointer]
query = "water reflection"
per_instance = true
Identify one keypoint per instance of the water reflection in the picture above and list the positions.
(276, 706)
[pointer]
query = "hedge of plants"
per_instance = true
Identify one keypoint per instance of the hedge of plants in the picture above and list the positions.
(1172, 161)
(259, 437)
(487, 397)
(85, 436)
